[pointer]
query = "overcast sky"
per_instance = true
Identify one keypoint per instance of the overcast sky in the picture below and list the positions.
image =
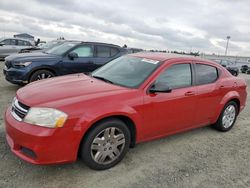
(160, 24)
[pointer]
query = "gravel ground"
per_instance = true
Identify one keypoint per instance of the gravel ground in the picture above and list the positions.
(198, 158)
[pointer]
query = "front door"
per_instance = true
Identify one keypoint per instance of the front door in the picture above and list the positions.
(84, 61)
(172, 111)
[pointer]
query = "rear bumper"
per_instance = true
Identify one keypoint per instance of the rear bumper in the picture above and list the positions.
(39, 145)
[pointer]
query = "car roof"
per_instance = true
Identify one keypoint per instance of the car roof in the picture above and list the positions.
(167, 56)
(101, 43)
(28, 40)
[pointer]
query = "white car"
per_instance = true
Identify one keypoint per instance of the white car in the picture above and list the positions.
(10, 46)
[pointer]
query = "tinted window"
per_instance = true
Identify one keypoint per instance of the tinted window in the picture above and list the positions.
(6, 41)
(102, 51)
(23, 43)
(84, 51)
(114, 51)
(205, 74)
(9, 42)
(177, 76)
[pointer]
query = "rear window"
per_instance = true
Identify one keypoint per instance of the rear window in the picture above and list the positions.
(205, 74)
(105, 51)
(23, 43)
(102, 51)
(113, 51)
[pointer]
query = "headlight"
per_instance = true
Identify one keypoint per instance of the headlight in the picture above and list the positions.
(46, 117)
(23, 64)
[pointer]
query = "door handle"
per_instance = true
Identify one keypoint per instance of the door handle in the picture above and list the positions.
(189, 93)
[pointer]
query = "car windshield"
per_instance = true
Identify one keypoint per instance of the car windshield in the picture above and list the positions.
(61, 49)
(127, 71)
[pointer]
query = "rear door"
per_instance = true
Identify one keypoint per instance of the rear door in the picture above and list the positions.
(209, 92)
(83, 63)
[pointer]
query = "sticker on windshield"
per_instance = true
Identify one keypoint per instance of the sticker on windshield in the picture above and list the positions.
(150, 61)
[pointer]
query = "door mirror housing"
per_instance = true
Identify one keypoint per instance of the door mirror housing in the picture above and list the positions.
(2, 44)
(160, 88)
(72, 55)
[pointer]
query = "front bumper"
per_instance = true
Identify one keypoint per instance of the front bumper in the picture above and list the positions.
(15, 76)
(39, 145)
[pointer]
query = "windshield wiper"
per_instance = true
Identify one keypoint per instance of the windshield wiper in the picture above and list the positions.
(102, 78)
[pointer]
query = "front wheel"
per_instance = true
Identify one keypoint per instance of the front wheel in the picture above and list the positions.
(227, 117)
(40, 75)
(106, 144)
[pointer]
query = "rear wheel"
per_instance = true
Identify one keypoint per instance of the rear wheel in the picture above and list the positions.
(227, 117)
(40, 75)
(106, 144)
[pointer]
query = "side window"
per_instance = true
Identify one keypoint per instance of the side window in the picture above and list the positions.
(26, 43)
(23, 43)
(9, 42)
(84, 51)
(20, 43)
(205, 74)
(13, 42)
(102, 51)
(6, 41)
(113, 51)
(177, 76)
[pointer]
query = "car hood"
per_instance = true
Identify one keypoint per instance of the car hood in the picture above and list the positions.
(36, 56)
(66, 90)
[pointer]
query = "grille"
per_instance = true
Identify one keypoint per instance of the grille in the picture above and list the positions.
(18, 110)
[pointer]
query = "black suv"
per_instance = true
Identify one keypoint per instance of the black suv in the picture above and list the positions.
(230, 66)
(244, 68)
(67, 58)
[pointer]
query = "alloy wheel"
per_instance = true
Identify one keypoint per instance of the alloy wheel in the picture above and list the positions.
(107, 145)
(229, 116)
(43, 76)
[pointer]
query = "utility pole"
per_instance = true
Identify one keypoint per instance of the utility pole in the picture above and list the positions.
(228, 37)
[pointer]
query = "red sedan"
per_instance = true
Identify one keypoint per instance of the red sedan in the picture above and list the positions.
(132, 99)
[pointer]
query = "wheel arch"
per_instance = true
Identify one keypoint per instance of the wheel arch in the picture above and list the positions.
(42, 68)
(231, 96)
(237, 101)
(127, 120)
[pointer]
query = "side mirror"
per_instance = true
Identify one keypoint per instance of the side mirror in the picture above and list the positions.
(160, 88)
(72, 55)
(2, 44)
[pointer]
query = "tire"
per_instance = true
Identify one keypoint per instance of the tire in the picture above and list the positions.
(98, 149)
(40, 75)
(226, 121)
